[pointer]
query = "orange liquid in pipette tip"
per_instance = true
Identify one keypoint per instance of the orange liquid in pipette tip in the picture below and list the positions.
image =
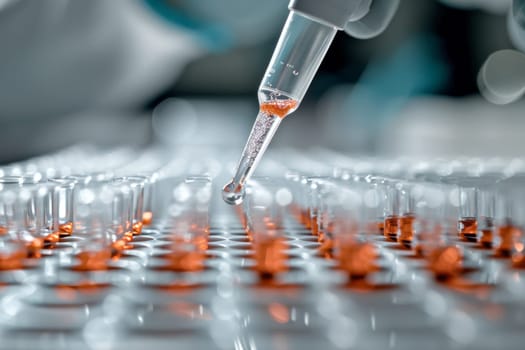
(279, 108)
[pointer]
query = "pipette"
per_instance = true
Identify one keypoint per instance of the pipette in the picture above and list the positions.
(307, 34)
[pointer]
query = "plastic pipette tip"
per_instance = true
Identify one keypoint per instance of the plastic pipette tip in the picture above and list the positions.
(232, 194)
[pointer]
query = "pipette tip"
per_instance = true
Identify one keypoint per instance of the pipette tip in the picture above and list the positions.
(233, 194)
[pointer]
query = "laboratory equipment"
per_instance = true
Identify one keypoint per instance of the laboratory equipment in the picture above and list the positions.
(266, 210)
(303, 262)
(307, 34)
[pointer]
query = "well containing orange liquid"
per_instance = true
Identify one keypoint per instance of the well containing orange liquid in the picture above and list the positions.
(93, 260)
(391, 227)
(12, 260)
(406, 234)
(468, 229)
(357, 259)
(445, 262)
(269, 254)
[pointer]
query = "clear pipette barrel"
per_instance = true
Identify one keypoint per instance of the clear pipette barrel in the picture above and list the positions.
(297, 56)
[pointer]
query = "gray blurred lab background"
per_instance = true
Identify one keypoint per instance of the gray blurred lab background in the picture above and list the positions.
(174, 73)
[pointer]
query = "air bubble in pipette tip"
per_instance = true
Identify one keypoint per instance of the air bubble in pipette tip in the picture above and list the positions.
(232, 194)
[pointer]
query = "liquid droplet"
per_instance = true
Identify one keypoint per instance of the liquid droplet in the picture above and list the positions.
(296, 73)
(232, 194)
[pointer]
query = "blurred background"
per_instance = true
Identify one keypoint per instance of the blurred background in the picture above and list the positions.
(183, 72)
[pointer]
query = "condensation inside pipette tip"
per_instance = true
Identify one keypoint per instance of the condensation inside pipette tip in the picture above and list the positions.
(233, 194)
(268, 119)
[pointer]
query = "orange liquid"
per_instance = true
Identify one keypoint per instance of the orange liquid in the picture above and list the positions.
(518, 261)
(249, 233)
(315, 228)
(52, 238)
(508, 235)
(381, 227)
(321, 237)
(65, 229)
(185, 261)
(127, 236)
(187, 255)
(326, 249)
(3, 230)
(72, 291)
(391, 227)
(147, 218)
(445, 262)
(270, 257)
(93, 260)
(305, 219)
(137, 227)
(486, 238)
(407, 230)
(279, 108)
(201, 242)
(314, 224)
(13, 260)
(468, 229)
(279, 313)
(120, 245)
(357, 259)
(269, 223)
(34, 247)
(242, 216)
